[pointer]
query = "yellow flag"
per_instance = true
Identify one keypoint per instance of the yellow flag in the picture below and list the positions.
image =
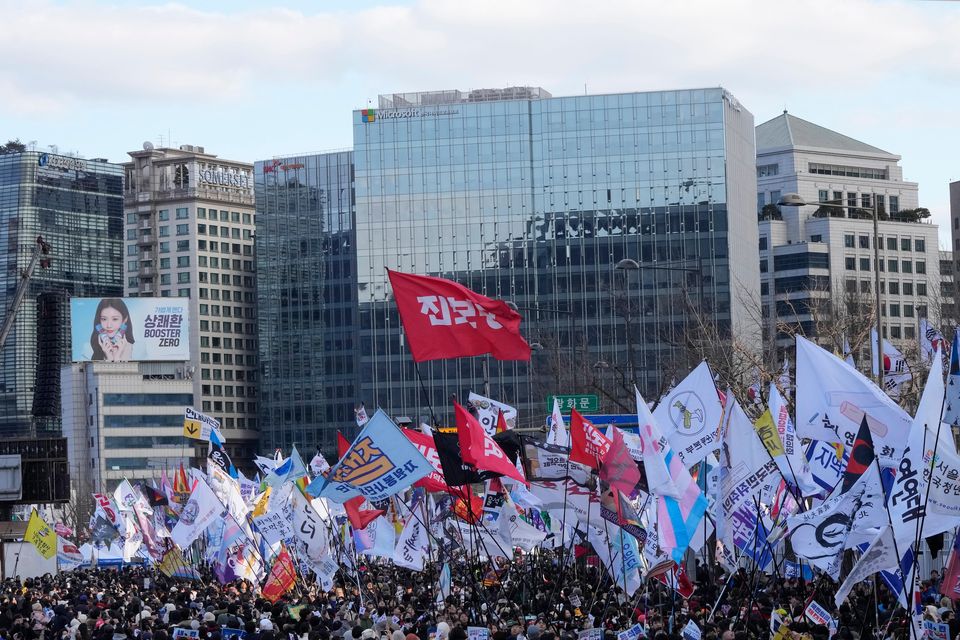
(768, 433)
(260, 507)
(41, 535)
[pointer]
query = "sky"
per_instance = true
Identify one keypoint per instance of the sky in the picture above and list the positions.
(254, 80)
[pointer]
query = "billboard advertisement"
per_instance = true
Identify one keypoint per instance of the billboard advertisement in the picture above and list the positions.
(130, 329)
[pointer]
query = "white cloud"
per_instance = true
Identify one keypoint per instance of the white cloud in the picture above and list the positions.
(93, 51)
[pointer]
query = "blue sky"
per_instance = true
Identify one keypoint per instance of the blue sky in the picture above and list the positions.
(252, 80)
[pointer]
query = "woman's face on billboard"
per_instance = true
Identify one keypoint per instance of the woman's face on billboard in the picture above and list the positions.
(111, 320)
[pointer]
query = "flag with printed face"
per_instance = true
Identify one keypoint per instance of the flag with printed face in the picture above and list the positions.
(833, 398)
(480, 450)
(690, 416)
(381, 462)
(588, 444)
(443, 319)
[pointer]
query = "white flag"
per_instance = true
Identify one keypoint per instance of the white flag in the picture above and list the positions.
(690, 415)
(909, 502)
(896, 372)
(832, 399)
(930, 340)
(821, 534)
(793, 463)
(848, 353)
(879, 556)
(748, 475)
(652, 440)
(488, 410)
(200, 512)
(412, 545)
(558, 430)
(274, 520)
(361, 415)
(309, 527)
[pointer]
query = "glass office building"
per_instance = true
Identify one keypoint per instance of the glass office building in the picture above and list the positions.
(306, 299)
(534, 199)
(77, 206)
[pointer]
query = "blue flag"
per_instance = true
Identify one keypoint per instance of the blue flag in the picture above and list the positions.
(380, 462)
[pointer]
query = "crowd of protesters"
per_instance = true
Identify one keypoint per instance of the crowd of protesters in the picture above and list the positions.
(533, 598)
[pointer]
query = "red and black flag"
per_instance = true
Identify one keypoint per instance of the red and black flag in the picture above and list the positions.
(861, 456)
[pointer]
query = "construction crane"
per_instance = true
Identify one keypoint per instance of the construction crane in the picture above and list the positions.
(41, 249)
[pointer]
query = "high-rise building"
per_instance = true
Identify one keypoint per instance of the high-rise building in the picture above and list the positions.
(122, 420)
(189, 233)
(947, 301)
(536, 199)
(307, 298)
(520, 196)
(955, 233)
(813, 254)
(77, 206)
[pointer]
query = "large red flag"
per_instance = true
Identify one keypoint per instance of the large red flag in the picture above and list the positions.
(587, 445)
(359, 518)
(282, 577)
(480, 450)
(619, 470)
(443, 319)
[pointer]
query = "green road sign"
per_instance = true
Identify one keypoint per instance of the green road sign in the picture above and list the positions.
(584, 403)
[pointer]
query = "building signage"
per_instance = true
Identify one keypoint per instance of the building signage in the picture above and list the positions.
(581, 402)
(220, 177)
(61, 162)
(371, 115)
(130, 329)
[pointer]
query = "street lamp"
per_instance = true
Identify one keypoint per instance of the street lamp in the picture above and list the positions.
(629, 264)
(796, 200)
(537, 346)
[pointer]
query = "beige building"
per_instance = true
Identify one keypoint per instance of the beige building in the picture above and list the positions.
(189, 223)
(122, 420)
(815, 252)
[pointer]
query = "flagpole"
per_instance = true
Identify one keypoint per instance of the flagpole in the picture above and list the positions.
(922, 520)
(426, 396)
(896, 549)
